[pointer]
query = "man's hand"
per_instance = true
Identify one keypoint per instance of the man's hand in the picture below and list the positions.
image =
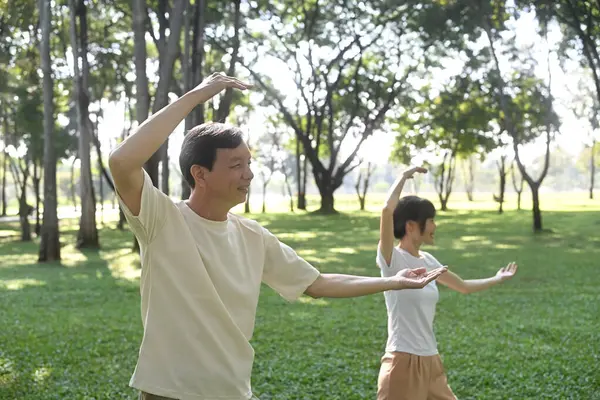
(417, 278)
(507, 272)
(409, 173)
(217, 82)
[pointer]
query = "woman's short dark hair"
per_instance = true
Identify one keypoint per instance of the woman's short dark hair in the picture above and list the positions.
(412, 208)
(200, 146)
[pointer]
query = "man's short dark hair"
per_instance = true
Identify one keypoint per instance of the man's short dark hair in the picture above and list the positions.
(200, 146)
(412, 208)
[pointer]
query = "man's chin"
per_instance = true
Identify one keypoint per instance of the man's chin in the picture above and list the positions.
(241, 197)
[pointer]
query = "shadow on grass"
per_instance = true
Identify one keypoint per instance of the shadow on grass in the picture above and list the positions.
(65, 322)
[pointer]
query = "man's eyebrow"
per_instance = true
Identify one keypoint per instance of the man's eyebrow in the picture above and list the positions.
(238, 158)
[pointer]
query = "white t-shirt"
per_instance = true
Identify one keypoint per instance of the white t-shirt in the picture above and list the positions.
(411, 311)
(200, 284)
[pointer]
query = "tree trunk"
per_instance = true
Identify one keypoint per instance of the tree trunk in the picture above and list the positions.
(87, 236)
(227, 98)
(518, 187)
(289, 191)
(167, 61)
(502, 174)
(187, 84)
(362, 197)
(327, 202)
(73, 190)
(36, 190)
(4, 168)
(142, 103)
(302, 192)
(24, 208)
(24, 212)
(247, 202)
(264, 198)
(469, 177)
(301, 197)
(50, 233)
(198, 55)
(537, 213)
(101, 187)
(164, 162)
(592, 169)
(445, 178)
(443, 203)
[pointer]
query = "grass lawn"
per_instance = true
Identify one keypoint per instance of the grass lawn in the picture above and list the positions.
(73, 331)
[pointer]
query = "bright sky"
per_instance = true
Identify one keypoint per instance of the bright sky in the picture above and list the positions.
(574, 133)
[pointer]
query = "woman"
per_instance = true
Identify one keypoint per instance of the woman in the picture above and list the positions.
(411, 368)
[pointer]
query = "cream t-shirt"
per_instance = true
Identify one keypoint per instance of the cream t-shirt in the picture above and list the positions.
(410, 312)
(200, 283)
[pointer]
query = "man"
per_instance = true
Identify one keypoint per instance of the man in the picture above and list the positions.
(202, 267)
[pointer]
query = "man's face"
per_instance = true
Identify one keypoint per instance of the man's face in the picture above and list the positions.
(231, 175)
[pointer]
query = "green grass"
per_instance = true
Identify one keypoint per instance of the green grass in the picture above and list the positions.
(73, 331)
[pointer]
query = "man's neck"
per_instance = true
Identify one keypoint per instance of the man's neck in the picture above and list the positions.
(208, 208)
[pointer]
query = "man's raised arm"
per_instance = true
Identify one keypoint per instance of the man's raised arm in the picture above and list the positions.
(128, 158)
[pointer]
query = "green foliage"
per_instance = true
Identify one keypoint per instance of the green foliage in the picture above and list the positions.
(458, 119)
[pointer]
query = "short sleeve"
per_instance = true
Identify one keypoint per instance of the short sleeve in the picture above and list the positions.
(432, 262)
(285, 271)
(396, 263)
(151, 217)
(380, 260)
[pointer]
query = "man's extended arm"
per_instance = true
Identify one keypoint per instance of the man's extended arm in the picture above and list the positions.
(127, 159)
(337, 285)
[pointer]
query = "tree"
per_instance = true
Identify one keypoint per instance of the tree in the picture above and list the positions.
(517, 186)
(527, 112)
(502, 171)
(168, 50)
(87, 236)
(269, 156)
(364, 177)
(21, 172)
(454, 122)
(50, 239)
(349, 71)
(469, 175)
(142, 103)
(580, 21)
(585, 105)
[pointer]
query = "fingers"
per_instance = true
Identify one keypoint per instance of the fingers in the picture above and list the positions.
(232, 81)
(239, 84)
(435, 273)
(228, 81)
(431, 276)
(419, 271)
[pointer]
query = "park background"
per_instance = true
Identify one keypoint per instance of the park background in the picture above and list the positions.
(499, 99)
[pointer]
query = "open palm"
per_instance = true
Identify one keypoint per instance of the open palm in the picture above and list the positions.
(507, 272)
(417, 278)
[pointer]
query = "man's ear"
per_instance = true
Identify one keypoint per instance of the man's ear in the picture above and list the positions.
(199, 174)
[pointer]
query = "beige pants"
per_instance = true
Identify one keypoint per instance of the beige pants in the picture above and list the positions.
(405, 376)
(148, 396)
